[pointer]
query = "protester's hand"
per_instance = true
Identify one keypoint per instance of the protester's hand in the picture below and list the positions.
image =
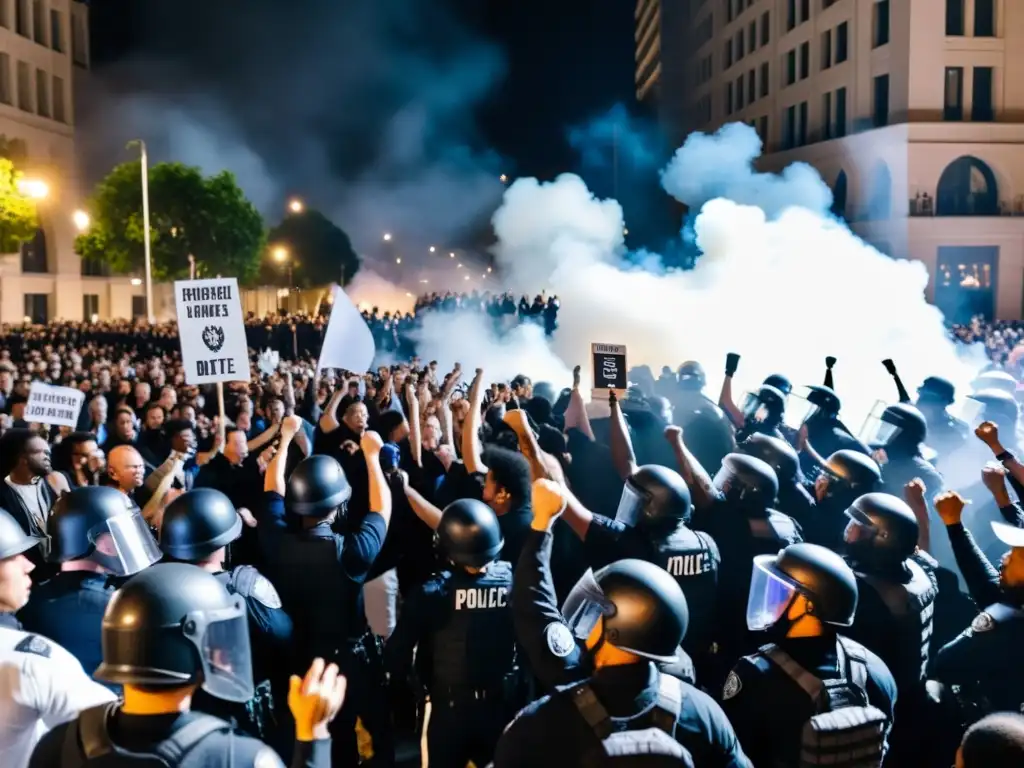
(350, 447)
(950, 506)
(994, 477)
(264, 459)
(404, 477)
(913, 493)
(732, 363)
(576, 377)
(516, 419)
(673, 434)
(315, 700)
(988, 433)
(290, 426)
(880, 456)
(613, 399)
(802, 438)
(890, 367)
(247, 517)
(371, 442)
(548, 501)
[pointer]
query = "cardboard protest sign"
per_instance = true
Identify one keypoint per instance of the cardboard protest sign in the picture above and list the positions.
(609, 368)
(211, 330)
(58, 406)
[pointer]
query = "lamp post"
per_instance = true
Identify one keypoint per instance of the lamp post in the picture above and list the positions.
(144, 162)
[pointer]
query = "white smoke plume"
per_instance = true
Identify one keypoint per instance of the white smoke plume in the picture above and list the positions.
(784, 288)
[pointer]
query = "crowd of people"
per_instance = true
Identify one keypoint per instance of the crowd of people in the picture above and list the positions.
(331, 563)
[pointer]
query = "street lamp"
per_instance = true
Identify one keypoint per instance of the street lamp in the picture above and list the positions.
(503, 178)
(433, 249)
(81, 220)
(387, 236)
(144, 172)
(281, 256)
(296, 206)
(34, 188)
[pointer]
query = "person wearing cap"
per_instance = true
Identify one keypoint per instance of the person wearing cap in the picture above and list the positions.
(799, 600)
(605, 646)
(198, 527)
(320, 573)
(946, 433)
(44, 685)
(978, 667)
(462, 621)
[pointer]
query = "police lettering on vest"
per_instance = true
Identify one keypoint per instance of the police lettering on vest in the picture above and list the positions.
(688, 565)
(478, 598)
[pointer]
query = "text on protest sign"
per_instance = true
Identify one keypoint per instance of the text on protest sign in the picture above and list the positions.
(211, 330)
(609, 367)
(58, 406)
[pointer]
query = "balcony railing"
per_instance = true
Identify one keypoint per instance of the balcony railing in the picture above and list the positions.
(925, 206)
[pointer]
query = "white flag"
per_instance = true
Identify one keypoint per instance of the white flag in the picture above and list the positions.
(348, 343)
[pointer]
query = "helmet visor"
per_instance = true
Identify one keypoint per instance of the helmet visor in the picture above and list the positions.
(770, 596)
(585, 606)
(225, 653)
(124, 544)
(798, 408)
(753, 409)
(631, 506)
(858, 531)
(876, 431)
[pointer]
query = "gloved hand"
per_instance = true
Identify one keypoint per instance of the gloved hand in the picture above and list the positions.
(732, 362)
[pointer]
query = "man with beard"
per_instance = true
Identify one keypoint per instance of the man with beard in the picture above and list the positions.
(26, 492)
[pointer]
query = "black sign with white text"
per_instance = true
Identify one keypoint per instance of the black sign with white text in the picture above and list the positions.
(609, 366)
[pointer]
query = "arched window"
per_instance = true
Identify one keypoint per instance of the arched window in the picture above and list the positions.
(839, 196)
(33, 253)
(967, 188)
(880, 205)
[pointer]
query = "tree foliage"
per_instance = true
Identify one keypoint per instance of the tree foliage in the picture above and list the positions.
(18, 219)
(209, 218)
(319, 252)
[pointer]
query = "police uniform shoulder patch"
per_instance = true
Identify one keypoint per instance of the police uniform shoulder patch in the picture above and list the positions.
(733, 685)
(35, 644)
(267, 758)
(559, 639)
(982, 623)
(264, 591)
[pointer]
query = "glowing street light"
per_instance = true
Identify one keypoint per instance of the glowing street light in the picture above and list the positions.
(398, 260)
(34, 188)
(458, 266)
(433, 249)
(280, 254)
(466, 277)
(81, 220)
(387, 237)
(503, 178)
(451, 255)
(295, 206)
(489, 270)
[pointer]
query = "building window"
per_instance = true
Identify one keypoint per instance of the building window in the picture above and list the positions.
(790, 14)
(984, 18)
(752, 37)
(5, 15)
(739, 93)
(789, 130)
(727, 57)
(6, 97)
(805, 10)
(766, 31)
(37, 308)
(826, 116)
(139, 308)
(56, 32)
(94, 268)
(762, 128)
(90, 307)
(42, 93)
(880, 107)
(740, 52)
(840, 129)
(39, 22)
(80, 41)
(826, 49)
(764, 79)
(751, 86)
(967, 187)
(801, 137)
(842, 42)
(33, 254)
(791, 67)
(953, 101)
(728, 11)
(59, 113)
(828, 3)
(805, 60)
(24, 87)
(954, 18)
(21, 17)
(880, 24)
(981, 106)
(728, 98)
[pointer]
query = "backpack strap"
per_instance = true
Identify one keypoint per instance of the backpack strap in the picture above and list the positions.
(91, 733)
(670, 703)
(173, 750)
(811, 684)
(591, 710)
(856, 664)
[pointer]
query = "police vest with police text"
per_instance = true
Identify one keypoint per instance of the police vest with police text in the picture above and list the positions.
(474, 648)
(691, 558)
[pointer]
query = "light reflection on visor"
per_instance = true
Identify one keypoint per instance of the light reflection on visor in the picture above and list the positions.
(585, 605)
(770, 596)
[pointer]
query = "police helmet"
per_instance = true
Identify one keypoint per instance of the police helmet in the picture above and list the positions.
(999, 380)
(654, 497)
(776, 453)
(747, 482)
(767, 404)
(882, 530)
(469, 534)
(644, 609)
(99, 523)
(999, 407)
(937, 390)
(13, 539)
(198, 523)
(905, 423)
(780, 382)
(175, 625)
(545, 390)
(852, 472)
(317, 487)
(815, 572)
(691, 376)
(824, 398)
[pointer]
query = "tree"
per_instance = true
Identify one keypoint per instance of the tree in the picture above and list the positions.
(208, 218)
(18, 219)
(318, 251)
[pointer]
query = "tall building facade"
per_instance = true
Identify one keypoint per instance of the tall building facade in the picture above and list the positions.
(909, 109)
(43, 45)
(647, 35)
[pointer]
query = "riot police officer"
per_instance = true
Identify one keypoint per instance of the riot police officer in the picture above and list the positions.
(197, 528)
(898, 440)
(793, 498)
(650, 525)
(843, 477)
(169, 630)
(946, 433)
(98, 537)
(995, 380)
(780, 382)
(825, 431)
(319, 575)
(762, 413)
(462, 621)
(798, 598)
(707, 431)
(567, 648)
(45, 683)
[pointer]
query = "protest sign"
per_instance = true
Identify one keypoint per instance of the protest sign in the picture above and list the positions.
(58, 406)
(348, 343)
(609, 369)
(211, 330)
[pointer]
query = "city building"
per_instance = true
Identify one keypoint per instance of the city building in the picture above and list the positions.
(647, 34)
(909, 110)
(42, 44)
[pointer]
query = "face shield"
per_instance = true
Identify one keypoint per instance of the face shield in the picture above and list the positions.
(968, 410)
(798, 408)
(859, 531)
(124, 545)
(585, 606)
(754, 411)
(876, 431)
(770, 595)
(222, 639)
(631, 506)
